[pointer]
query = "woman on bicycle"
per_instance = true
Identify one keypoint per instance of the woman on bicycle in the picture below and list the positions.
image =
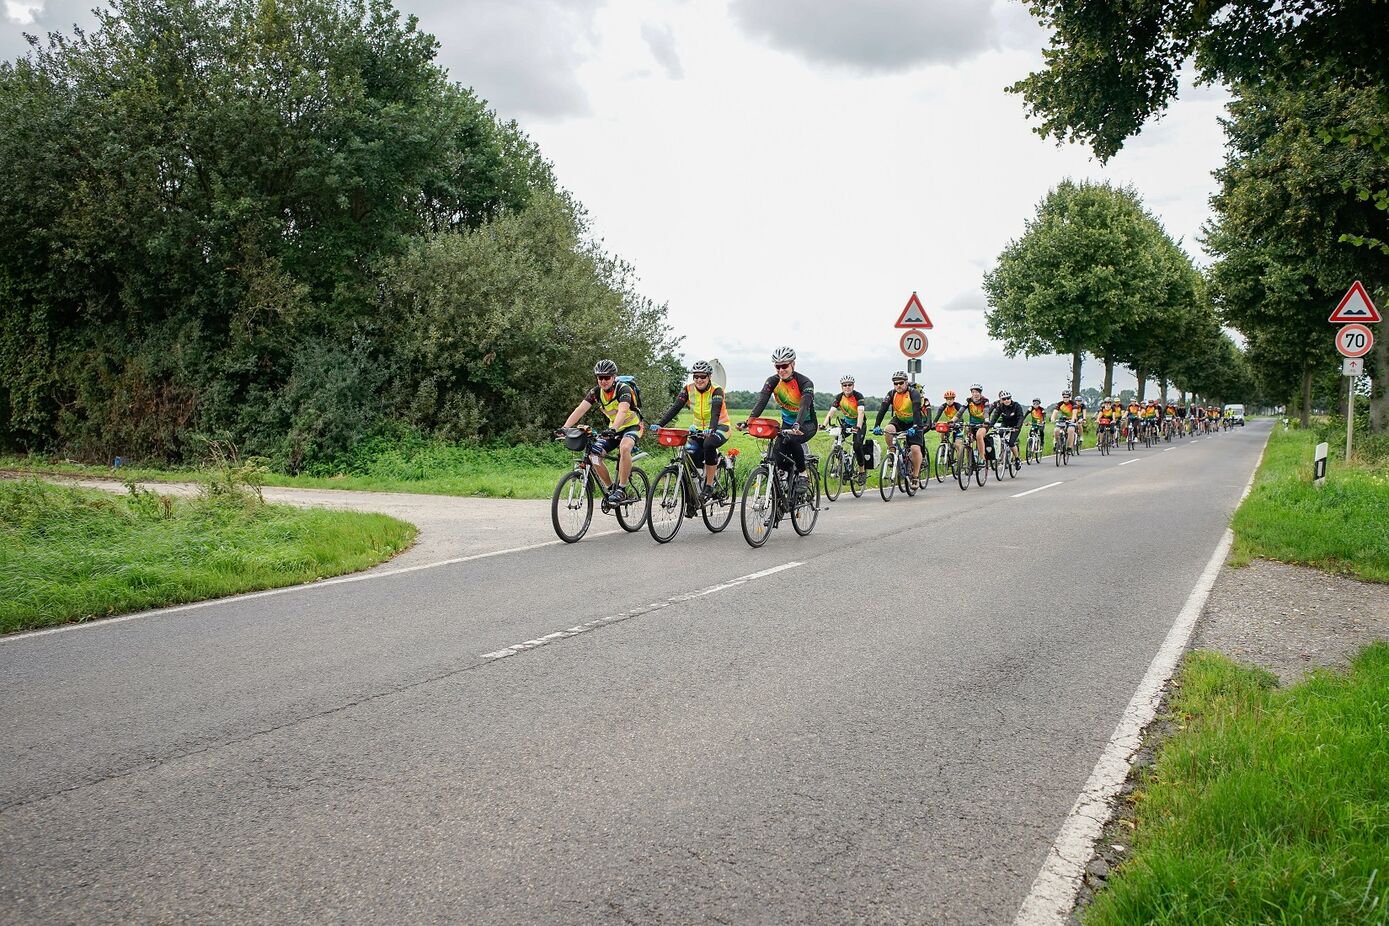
(906, 417)
(1063, 417)
(848, 405)
(706, 403)
(795, 396)
(1037, 418)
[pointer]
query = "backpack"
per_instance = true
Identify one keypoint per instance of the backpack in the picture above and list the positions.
(636, 394)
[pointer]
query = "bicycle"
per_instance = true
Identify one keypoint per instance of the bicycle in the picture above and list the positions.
(842, 466)
(1103, 439)
(897, 463)
(571, 506)
(769, 494)
(945, 452)
(674, 496)
(1036, 437)
(1061, 443)
(967, 457)
(1131, 433)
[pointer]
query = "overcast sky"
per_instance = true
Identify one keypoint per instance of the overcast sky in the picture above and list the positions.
(789, 171)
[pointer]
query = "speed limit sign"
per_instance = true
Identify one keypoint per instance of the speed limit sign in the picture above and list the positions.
(1354, 340)
(913, 343)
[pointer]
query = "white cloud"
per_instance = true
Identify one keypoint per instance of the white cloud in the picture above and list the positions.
(661, 41)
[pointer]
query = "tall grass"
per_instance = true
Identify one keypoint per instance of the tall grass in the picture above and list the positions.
(70, 554)
(1269, 806)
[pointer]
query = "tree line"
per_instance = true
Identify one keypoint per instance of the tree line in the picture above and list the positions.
(1302, 208)
(283, 225)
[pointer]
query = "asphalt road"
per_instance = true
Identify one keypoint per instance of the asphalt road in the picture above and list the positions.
(890, 727)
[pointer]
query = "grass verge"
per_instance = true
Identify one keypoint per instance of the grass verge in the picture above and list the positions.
(71, 554)
(1268, 806)
(1340, 527)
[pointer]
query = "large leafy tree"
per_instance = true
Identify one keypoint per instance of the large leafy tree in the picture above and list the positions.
(1089, 264)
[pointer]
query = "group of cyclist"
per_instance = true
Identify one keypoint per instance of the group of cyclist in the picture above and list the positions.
(906, 411)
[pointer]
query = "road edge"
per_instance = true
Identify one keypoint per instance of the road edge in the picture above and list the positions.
(1053, 894)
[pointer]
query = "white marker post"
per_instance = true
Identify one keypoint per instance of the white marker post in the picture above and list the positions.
(1319, 464)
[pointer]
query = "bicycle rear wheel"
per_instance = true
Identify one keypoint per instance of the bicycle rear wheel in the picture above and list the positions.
(806, 507)
(758, 508)
(632, 514)
(834, 474)
(964, 458)
(858, 478)
(717, 509)
(667, 509)
(571, 508)
(981, 466)
(887, 476)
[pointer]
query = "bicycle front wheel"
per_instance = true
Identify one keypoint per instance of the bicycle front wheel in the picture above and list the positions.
(981, 468)
(960, 465)
(858, 479)
(571, 508)
(887, 476)
(667, 505)
(759, 505)
(834, 474)
(717, 509)
(806, 507)
(632, 513)
(942, 464)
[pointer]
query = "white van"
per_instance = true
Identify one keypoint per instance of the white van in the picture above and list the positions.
(1236, 413)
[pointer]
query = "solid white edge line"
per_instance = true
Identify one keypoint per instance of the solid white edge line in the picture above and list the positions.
(628, 615)
(283, 590)
(1134, 460)
(1053, 893)
(1038, 489)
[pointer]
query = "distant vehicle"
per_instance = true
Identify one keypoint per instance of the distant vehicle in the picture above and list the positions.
(1235, 413)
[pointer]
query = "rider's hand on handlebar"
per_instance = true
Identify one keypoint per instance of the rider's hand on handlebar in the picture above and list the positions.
(742, 426)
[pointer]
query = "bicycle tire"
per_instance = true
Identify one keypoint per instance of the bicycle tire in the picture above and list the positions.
(834, 474)
(668, 501)
(942, 459)
(962, 458)
(806, 510)
(641, 485)
(562, 490)
(981, 467)
(904, 481)
(887, 476)
(858, 479)
(757, 518)
(717, 510)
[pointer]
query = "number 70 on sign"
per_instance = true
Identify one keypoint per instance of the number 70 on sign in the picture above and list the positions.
(913, 343)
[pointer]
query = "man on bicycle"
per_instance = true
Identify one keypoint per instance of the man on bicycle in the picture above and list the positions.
(618, 403)
(906, 417)
(1037, 419)
(1010, 414)
(977, 419)
(1151, 416)
(848, 405)
(710, 411)
(1063, 417)
(795, 396)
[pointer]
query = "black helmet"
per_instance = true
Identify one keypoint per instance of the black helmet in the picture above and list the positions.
(605, 368)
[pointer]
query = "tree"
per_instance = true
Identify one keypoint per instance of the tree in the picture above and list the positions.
(1086, 265)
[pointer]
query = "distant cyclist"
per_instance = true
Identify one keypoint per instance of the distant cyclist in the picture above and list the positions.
(905, 404)
(1010, 414)
(1063, 419)
(794, 394)
(977, 419)
(618, 403)
(849, 406)
(710, 411)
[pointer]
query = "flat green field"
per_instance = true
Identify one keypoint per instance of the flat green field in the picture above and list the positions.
(75, 554)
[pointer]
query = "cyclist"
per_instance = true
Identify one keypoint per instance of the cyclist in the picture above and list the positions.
(949, 408)
(976, 418)
(1133, 415)
(1010, 413)
(706, 403)
(926, 409)
(848, 405)
(1151, 416)
(906, 418)
(1181, 411)
(1080, 423)
(618, 403)
(1063, 417)
(1104, 419)
(794, 394)
(1037, 418)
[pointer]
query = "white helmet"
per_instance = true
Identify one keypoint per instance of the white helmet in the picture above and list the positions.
(784, 355)
(846, 380)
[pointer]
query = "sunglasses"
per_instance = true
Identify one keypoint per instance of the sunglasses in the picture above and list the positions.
(605, 378)
(782, 366)
(899, 382)
(701, 375)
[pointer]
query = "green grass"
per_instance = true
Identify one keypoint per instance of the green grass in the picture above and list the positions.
(1341, 527)
(71, 554)
(1268, 806)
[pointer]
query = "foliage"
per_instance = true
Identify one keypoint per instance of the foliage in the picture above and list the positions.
(71, 554)
(210, 211)
(1267, 805)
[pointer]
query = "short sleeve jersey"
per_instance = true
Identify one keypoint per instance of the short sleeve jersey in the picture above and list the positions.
(608, 401)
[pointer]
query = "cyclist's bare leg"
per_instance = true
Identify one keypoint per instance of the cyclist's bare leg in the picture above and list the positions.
(979, 442)
(624, 460)
(916, 462)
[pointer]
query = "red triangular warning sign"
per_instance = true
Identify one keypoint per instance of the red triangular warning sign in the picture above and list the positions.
(1355, 307)
(913, 316)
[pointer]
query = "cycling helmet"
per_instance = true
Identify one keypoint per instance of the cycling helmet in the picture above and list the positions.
(1065, 393)
(899, 377)
(1036, 401)
(846, 380)
(702, 366)
(974, 386)
(1005, 394)
(605, 368)
(783, 355)
(949, 395)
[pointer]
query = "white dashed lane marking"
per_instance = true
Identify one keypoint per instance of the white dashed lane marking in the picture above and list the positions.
(1038, 489)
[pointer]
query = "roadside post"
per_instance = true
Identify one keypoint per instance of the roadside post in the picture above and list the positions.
(913, 342)
(1355, 313)
(1319, 465)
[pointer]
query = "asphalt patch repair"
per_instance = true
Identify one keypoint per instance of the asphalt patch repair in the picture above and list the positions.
(1286, 619)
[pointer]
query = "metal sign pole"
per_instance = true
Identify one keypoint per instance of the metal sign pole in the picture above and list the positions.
(1350, 414)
